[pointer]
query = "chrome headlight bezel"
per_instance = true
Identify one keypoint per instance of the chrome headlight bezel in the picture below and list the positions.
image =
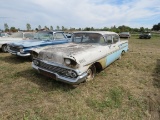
(36, 62)
(67, 61)
(21, 50)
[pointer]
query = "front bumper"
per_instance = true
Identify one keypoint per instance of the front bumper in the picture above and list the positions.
(19, 54)
(58, 77)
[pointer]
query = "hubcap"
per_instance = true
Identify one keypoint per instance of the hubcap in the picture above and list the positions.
(4, 49)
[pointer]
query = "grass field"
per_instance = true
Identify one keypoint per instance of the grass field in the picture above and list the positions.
(129, 89)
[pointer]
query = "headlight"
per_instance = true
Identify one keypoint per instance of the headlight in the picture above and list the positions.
(21, 50)
(36, 62)
(67, 61)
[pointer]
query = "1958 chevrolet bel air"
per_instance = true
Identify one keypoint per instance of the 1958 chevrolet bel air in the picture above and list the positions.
(78, 61)
(41, 39)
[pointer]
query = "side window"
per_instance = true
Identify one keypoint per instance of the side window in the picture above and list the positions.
(115, 39)
(109, 39)
(59, 36)
(101, 41)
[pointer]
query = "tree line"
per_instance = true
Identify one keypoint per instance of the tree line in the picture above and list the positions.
(119, 29)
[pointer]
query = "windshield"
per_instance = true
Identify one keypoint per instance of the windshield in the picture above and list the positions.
(87, 38)
(124, 32)
(28, 35)
(44, 36)
(17, 35)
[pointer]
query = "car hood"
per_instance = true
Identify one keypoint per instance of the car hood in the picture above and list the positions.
(31, 43)
(9, 40)
(81, 53)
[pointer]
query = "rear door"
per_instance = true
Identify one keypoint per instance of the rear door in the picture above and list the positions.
(113, 48)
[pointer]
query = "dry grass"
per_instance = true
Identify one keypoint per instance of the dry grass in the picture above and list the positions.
(129, 89)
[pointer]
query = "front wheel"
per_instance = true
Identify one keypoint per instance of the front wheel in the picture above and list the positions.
(91, 73)
(4, 48)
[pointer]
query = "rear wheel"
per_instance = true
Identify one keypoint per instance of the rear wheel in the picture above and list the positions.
(4, 48)
(91, 73)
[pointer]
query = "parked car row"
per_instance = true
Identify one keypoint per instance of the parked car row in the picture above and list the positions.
(143, 35)
(75, 61)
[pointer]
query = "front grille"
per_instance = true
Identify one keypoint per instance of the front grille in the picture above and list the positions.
(55, 69)
(14, 48)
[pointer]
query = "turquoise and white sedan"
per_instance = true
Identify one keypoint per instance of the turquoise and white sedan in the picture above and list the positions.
(79, 60)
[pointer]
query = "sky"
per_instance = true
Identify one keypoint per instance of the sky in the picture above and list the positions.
(79, 13)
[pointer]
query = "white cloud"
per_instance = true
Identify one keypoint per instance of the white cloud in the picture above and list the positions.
(84, 13)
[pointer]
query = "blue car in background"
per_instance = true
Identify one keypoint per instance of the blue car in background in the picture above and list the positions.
(42, 38)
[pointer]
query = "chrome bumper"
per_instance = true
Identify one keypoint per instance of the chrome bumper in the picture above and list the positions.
(19, 54)
(72, 81)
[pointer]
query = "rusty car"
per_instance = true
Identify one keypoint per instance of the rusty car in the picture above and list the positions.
(79, 60)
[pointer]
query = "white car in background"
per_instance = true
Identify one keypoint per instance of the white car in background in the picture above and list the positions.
(18, 36)
(124, 35)
(4, 35)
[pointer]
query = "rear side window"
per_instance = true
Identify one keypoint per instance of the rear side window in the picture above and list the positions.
(115, 39)
(59, 36)
(108, 39)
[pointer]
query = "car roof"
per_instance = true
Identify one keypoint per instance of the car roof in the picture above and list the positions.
(49, 31)
(124, 32)
(99, 32)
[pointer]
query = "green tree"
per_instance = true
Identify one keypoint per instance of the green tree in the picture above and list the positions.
(92, 29)
(124, 28)
(13, 29)
(79, 29)
(46, 28)
(6, 28)
(36, 29)
(141, 29)
(63, 28)
(51, 27)
(105, 29)
(87, 29)
(156, 27)
(57, 27)
(28, 26)
(39, 27)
